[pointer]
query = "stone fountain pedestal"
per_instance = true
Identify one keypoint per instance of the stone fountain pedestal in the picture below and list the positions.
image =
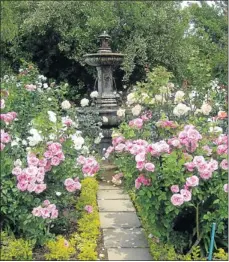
(105, 61)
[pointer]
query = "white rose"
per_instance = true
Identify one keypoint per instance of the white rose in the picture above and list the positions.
(206, 109)
(78, 141)
(84, 102)
(160, 98)
(131, 98)
(34, 140)
(198, 111)
(121, 112)
(58, 193)
(24, 142)
(215, 129)
(170, 85)
(18, 162)
(85, 150)
(97, 140)
(179, 96)
(94, 94)
(181, 109)
(105, 119)
(65, 105)
(52, 116)
(14, 143)
(136, 110)
(45, 85)
(49, 99)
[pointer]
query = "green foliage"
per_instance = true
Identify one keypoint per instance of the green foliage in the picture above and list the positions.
(15, 249)
(59, 249)
(220, 254)
(88, 224)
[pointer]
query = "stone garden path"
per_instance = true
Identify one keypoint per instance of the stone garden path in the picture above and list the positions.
(123, 236)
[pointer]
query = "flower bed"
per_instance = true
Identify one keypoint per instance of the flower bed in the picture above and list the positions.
(174, 156)
(46, 153)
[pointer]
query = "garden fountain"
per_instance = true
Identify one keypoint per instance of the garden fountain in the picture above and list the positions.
(105, 61)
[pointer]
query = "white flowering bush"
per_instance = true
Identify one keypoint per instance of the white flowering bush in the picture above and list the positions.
(44, 156)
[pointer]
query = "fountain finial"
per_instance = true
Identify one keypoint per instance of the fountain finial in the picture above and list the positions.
(104, 43)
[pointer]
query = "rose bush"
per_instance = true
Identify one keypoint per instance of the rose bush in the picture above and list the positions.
(173, 156)
(41, 141)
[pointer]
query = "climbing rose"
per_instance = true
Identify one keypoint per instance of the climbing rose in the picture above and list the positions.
(136, 110)
(222, 114)
(94, 94)
(206, 109)
(177, 199)
(84, 102)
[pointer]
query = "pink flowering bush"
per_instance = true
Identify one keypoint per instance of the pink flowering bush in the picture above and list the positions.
(40, 145)
(175, 161)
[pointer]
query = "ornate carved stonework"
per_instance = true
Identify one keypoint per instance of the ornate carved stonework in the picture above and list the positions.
(105, 61)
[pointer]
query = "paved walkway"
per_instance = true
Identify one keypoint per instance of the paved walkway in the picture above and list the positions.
(124, 238)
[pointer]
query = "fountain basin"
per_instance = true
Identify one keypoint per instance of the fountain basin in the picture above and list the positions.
(104, 59)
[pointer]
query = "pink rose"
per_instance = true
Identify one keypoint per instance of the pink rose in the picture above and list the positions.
(5, 137)
(40, 188)
(51, 207)
(81, 160)
(41, 171)
(37, 211)
(2, 146)
(192, 181)
(88, 208)
(32, 161)
(177, 199)
(31, 170)
(118, 140)
(54, 214)
(48, 166)
(22, 186)
(120, 147)
(190, 166)
(46, 203)
(186, 194)
(138, 123)
(224, 164)
(140, 157)
(207, 149)
(55, 148)
(222, 149)
(140, 165)
(48, 154)
(31, 187)
(225, 188)
(137, 184)
(55, 161)
(69, 182)
(66, 243)
(198, 160)
(42, 162)
(30, 87)
(213, 165)
(22, 177)
(175, 188)
(206, 175)
(45, 213)
(149, 167)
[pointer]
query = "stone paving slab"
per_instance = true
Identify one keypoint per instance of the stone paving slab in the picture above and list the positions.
(119, 219)
(112, 194)
(115, 205)
(105, 186)
(129, 254)
(124, 237)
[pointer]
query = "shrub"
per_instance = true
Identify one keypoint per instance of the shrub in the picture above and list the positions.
(88, 224)
(15, 249)
(59, 249)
